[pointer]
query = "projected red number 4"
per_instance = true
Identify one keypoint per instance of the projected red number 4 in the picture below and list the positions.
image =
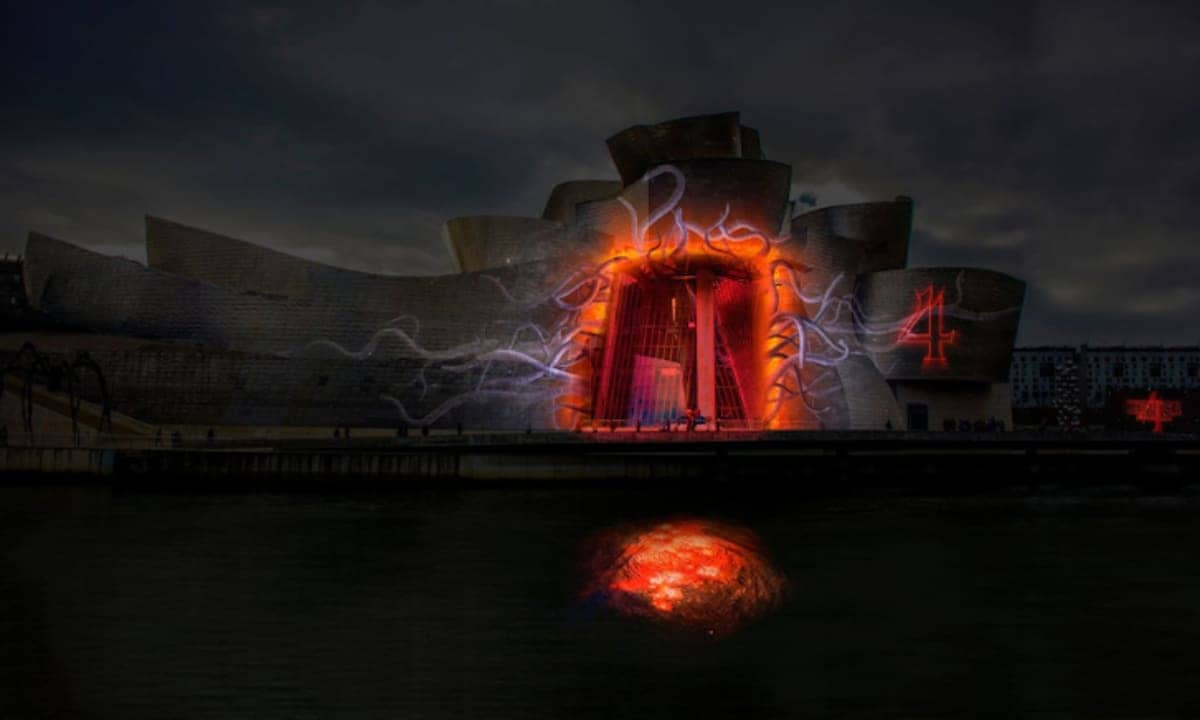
(1154, 410)
(926, 326)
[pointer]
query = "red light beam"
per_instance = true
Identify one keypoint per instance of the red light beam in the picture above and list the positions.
(1154, 409)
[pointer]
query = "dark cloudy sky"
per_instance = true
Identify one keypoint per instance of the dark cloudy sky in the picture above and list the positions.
(1059, 142)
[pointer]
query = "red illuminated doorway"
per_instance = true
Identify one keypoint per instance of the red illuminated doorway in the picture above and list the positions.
(679, 341)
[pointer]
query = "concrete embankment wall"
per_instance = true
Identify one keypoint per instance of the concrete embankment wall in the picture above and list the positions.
(57, 461)
(828, 467)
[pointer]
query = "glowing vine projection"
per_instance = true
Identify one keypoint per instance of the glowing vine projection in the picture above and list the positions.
(528, 349)
(1153, 409)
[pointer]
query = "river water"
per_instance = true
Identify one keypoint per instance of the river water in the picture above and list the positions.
(431, 604)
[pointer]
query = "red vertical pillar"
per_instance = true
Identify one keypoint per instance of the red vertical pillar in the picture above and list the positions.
(706, 362)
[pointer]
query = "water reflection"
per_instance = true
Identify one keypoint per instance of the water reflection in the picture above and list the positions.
(697, 574)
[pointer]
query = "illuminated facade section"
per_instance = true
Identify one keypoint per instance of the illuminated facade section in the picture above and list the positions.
(694, 314)
(700, 318)
(688, 289)
(926, 326)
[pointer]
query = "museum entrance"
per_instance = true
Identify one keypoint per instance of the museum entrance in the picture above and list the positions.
(679, 345)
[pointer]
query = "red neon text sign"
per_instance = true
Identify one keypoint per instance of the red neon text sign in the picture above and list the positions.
(926, 326)
(1154, 410)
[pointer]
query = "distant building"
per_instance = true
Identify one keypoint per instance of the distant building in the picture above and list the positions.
(1032, 375)
(1104, 378)
(691, 286)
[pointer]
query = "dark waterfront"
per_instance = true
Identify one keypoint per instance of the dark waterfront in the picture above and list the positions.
(462, 603)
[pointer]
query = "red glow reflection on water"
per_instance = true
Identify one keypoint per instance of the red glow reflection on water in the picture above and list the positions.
(694, 573)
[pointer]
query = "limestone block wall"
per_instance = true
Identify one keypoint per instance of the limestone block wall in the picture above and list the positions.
(955, 402)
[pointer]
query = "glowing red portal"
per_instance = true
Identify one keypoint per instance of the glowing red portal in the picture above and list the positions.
(680, 337)
(929, 309)
(697, 574)
(1154, 409)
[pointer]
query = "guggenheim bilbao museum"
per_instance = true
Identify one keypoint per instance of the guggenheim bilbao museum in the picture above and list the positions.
(689, 288)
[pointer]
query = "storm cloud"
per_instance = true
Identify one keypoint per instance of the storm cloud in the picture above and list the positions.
(1058, 142)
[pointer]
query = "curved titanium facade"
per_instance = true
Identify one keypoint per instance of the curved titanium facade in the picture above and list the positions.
(854, 239)
(639, 148)
(480, 242)
(449, 350)
(754, 191)
(199, 254)
(560, 206)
